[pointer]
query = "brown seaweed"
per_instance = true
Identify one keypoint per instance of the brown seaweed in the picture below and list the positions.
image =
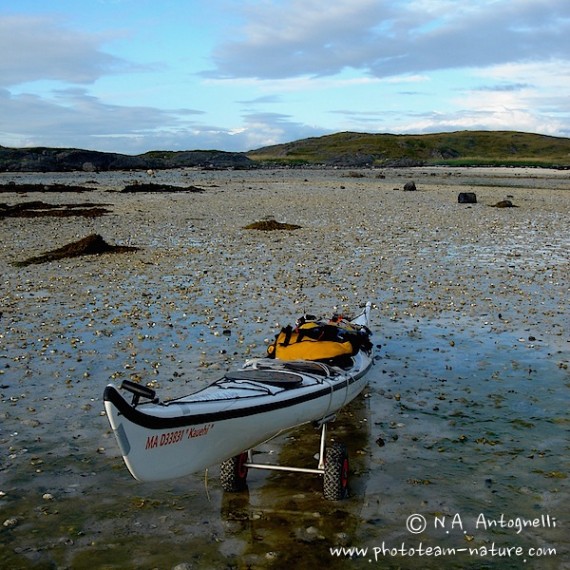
(13, 187)
(39, 209)
(91, 245)
(150, 187)
(504, 204)
(271, 225)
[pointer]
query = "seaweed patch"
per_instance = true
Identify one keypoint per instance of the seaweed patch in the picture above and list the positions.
(39, 209)
(24, 188)
(271, 225)
(149, 187)
(91, 245)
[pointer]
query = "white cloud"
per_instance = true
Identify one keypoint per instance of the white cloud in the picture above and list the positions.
(521, 96)
(387, 38)
(551, 73)
(73, 115)
(301, 37)
(264, 129)
(73, 118)
(490, 118)
(36, 48)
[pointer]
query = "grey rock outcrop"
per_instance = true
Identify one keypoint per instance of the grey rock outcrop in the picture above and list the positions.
(64, 160)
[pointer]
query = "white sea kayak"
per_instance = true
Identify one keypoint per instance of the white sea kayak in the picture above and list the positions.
(267, 396)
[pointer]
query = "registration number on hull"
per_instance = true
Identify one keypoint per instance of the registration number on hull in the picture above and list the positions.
(176, 436)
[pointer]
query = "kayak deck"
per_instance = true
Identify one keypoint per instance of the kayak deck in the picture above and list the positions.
(263, 376)
(167, 439)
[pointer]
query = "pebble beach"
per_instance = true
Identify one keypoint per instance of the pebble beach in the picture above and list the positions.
(459, 442)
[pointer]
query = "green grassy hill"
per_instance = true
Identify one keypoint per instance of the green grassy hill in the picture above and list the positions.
(463, 148)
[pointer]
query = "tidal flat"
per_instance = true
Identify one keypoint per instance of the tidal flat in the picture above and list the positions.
(461, 435)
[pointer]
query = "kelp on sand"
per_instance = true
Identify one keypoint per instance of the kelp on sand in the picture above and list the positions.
(93, 244)
(39, 209)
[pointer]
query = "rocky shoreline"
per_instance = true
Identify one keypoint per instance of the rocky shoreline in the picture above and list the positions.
(78, 160)
(466, 407)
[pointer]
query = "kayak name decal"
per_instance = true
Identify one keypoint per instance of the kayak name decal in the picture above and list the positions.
(176, 436)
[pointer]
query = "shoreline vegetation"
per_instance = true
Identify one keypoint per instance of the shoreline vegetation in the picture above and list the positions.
(340, 150)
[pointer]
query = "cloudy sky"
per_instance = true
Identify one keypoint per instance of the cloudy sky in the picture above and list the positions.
(137, 75)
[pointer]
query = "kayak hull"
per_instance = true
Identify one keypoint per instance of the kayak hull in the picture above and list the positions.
(160, 441)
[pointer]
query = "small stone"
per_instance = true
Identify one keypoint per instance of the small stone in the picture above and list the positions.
(10, 523)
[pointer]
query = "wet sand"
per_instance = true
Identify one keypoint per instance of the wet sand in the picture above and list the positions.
(465, 418)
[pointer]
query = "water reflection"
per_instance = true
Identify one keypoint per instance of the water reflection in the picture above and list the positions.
(283, 518)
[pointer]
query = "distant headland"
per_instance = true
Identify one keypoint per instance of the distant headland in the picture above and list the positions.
(342, 150)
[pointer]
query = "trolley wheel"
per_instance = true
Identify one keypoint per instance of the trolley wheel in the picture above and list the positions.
(335, 480)
(233, 473)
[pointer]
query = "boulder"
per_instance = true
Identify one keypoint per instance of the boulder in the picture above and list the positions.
(410, 186)
(467, 198)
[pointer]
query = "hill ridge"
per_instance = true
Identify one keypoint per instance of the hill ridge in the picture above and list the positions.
(343, 149)
(46, 159)
(449, 148)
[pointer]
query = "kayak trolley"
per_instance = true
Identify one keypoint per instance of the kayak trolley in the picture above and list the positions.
(332, 465)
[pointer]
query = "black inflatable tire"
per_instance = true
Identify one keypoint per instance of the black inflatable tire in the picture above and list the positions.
(335, 480)
(233, 473)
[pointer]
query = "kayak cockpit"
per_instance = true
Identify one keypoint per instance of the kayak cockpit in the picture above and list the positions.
(312, 367)
(272, 377)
